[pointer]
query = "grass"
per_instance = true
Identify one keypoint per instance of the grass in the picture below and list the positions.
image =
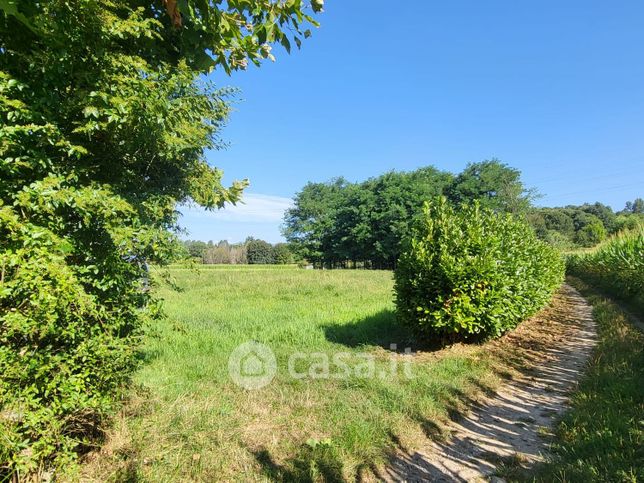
(207, 267)
(602, 437)
(190, 421)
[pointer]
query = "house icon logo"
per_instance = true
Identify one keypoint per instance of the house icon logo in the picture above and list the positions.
(252, 365)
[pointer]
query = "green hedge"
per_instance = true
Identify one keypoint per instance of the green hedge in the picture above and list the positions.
(472, 272)
(617, 266)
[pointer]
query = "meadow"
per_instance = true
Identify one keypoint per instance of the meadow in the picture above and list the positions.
(189, 420)
(356, 397)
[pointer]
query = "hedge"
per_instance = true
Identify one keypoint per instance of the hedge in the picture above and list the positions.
(470, 272)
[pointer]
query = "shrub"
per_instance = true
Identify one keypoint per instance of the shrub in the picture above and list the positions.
(71, 311)
(617, 266)
(472, 272)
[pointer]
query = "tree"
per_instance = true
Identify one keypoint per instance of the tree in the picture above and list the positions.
(566, 227)
(636, 206)
(589, 230)
(105, 116)
(496, 185)
(553, 225)
(259, 252)
(603, 212)
(308, 226)
(195, 248)
(282, 254)
(340, 224)
(398, 198)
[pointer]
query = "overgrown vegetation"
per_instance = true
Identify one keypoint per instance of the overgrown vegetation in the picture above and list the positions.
(104, 119)
(601, 438)
(617, 267)
(587, 225)
(470, 271)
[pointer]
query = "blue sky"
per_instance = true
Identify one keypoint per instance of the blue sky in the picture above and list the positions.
(553, 88)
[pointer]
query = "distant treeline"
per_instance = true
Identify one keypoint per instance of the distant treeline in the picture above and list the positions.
(586, 225)
(252, 251)
(343, 224)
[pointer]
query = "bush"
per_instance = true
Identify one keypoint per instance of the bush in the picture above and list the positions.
(617, 266)
(71, 312)
(472, 272)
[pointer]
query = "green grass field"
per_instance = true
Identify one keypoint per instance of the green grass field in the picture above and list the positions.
(191, 421)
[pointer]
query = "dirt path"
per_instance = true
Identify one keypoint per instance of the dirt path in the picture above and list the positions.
(506, 427)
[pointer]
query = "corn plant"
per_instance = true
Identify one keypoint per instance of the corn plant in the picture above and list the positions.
(617, 266)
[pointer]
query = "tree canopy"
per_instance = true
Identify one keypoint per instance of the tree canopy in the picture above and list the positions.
(344, 224)
(339, 223)
(584, 226)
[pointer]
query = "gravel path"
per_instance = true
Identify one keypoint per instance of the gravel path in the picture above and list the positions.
(507, 427)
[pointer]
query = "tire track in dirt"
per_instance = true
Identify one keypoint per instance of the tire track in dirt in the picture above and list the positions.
(507, 427)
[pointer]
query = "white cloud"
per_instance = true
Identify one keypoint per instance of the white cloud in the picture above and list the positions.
(253, 207)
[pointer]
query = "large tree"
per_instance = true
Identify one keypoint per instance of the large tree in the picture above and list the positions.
(105, 117)
(496, 185)
(259, 252)
(345, 224)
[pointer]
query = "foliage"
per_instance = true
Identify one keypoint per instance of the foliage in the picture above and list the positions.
(195, 248)
(591, 234)
(558, 240)
(581, 226)
(237, 253)
(224, 253)
(282, 254)
(601, 437)
(603, 212)
(104, 122)
(624, 222)
(617, 266)
(67, 330)
(636, 206)
(470, 271)
(342, 224)
(259, 252)
(494, 184)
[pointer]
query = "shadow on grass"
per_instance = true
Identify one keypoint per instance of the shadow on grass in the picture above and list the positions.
(324, 464)
(310, 465)
(381, 330)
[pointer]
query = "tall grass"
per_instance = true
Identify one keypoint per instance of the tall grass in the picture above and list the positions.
(616, 267)
(195, 424)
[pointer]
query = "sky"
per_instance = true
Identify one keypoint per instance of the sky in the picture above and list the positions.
(552, 88)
